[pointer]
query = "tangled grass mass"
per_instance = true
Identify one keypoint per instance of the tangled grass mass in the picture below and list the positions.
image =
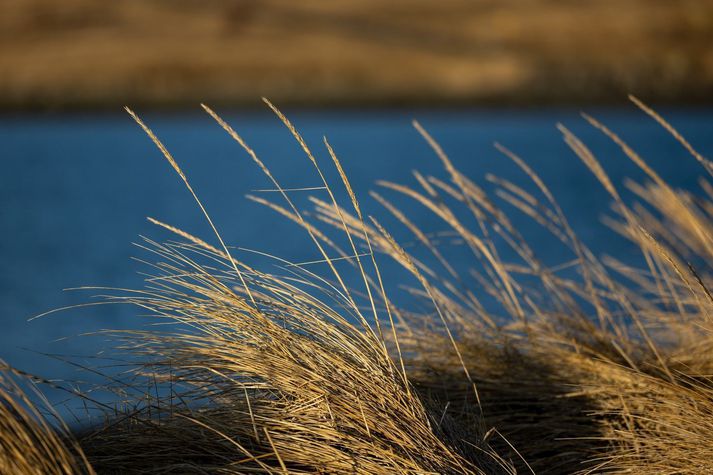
(593, 366)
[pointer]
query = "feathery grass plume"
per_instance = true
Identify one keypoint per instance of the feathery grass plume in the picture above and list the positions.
(585, 365)
(661, 421)
(28, 443)
(266, 373)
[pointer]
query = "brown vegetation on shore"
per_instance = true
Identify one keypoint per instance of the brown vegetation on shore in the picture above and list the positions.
(83, 53)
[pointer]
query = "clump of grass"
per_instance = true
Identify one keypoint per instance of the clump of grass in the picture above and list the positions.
(282, 384)
(29, 444)
(272, 374)
(576, 370)
(592, 365)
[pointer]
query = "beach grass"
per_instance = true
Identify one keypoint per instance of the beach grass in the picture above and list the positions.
(591, 366)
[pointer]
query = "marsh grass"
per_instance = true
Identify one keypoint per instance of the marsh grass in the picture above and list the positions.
(28, 443)
(592, 365)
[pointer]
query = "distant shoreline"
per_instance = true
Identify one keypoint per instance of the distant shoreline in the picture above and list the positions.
(87, 55)
(615, 100)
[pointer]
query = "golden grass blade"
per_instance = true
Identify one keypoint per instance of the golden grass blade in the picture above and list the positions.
(178, 170)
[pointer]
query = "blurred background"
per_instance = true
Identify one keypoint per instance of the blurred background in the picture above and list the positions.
(92, 54)
(79, 177)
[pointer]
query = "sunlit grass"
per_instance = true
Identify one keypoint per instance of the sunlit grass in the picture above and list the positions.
(513, 366)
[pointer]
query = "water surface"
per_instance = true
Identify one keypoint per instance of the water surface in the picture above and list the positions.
(75, 192)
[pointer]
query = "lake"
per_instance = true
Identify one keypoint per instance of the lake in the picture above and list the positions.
(75, 191)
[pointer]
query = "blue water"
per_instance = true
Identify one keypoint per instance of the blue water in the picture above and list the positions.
(75, 192)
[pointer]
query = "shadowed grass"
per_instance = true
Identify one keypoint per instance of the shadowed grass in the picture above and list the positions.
(29, 444)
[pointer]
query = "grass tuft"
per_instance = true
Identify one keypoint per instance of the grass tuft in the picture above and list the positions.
(591, 365)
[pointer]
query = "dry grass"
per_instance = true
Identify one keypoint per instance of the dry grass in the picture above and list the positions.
(516, 367)
(83, 53)
(28, 443)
